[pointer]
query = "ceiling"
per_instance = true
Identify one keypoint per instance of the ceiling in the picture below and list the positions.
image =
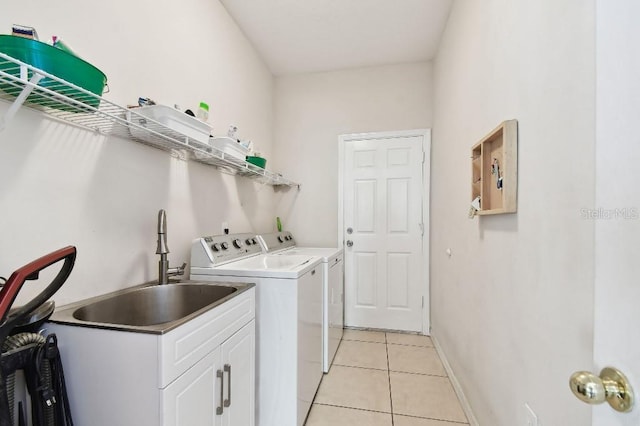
(299, 36)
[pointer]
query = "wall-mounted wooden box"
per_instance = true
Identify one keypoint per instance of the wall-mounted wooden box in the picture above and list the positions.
(494, 170)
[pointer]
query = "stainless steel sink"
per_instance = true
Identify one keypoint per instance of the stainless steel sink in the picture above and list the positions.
(149, 308)
(153, 305)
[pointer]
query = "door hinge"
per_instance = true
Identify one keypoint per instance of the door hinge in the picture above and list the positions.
(423, 301)
(421, 225)
(424, 157)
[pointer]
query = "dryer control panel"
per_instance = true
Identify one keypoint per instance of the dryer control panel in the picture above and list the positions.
(216, 250)
(276, 241)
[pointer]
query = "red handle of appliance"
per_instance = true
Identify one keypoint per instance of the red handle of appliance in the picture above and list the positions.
(17, 279)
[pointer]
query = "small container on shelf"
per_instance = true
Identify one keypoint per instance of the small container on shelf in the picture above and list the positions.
(257, 161)
(53, 61)
(229, 147)
(171, 119)
(203, 112)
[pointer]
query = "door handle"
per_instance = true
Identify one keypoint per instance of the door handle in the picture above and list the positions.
(349, 230)
(227, 402)
(612, 386)
(220, 409)
(349, 243)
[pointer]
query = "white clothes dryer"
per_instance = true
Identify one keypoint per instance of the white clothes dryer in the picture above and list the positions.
(283, 243)
(288, 320)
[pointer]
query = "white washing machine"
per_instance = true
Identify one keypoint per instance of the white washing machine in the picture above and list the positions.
(283, 243)
(288, 320)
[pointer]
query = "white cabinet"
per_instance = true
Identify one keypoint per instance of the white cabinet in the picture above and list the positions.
(239, 375)
(191, 399)
(174, 379)
(219, 390)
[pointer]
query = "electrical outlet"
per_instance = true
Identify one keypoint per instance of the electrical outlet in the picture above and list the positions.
(530, 416)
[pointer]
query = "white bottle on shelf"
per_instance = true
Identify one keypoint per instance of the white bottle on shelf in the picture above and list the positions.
(203, 112)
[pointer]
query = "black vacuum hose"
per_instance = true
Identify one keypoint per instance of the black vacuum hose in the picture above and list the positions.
(18, 341)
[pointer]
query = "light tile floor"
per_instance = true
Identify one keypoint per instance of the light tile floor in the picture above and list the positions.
(386, 379)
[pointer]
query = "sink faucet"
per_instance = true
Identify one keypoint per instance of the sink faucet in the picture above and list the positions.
(164, 272)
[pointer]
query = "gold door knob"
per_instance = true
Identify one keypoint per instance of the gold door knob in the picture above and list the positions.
(612, 386)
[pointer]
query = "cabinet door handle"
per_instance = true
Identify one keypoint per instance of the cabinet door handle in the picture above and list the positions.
(227, 402)
(220, 408)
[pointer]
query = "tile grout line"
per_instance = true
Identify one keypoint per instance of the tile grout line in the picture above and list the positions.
(386, 348)
(412, 373)
(361, 367)
(326, 404)
(453, 422)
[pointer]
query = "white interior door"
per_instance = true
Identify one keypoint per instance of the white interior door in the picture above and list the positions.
(617, 213)
(382, 227)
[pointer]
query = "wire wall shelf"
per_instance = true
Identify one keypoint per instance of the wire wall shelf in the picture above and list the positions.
(22, 84)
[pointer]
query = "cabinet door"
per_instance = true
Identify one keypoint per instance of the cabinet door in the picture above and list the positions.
(239, 364)
(192, 399)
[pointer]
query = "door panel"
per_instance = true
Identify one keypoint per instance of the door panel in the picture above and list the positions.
(365, 214)
(365, 274)
(191, 400)
(398, 279)
(397, 203)
(398, 157)
(382, 203)
(238, 352)
(364, 159)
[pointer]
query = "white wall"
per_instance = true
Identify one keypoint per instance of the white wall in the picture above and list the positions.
(512, 307)
(313, 109)
(63, 185)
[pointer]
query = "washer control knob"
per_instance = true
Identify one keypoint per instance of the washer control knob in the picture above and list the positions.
(215, 247)
(224, 245)
(237, 243)
(254, 241)
(281, 238)
(248, 241)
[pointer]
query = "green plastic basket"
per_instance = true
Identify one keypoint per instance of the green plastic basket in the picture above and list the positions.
(257, 161)
(56, 62)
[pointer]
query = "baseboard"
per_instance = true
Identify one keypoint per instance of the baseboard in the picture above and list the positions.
(456, 385)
